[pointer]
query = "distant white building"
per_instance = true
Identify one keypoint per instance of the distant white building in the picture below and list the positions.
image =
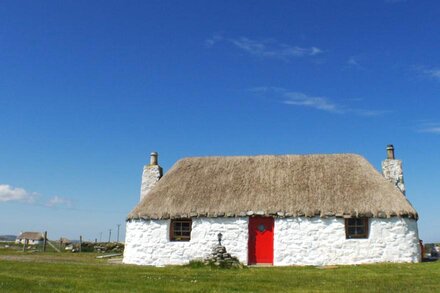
(274, 209)
(30, 238)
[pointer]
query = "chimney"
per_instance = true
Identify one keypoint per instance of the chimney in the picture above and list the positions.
(153, 158)
(390, 152)
(151, 174)
(392, 169)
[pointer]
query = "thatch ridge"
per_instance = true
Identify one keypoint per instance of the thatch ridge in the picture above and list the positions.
(341, 185)
(31, 236)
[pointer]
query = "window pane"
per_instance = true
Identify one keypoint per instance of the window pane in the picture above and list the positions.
(181, 230)
(356, 228)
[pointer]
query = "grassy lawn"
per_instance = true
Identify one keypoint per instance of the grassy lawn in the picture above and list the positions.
(66, 272)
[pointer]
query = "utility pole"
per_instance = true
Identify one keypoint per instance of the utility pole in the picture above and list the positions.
(100, 237)
(109, 234)
(117, 239)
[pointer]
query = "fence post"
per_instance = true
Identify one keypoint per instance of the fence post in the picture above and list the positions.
(24, 244)
(80, 242)
(45, 241)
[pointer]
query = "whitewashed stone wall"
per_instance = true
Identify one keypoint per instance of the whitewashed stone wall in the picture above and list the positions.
(316, 241)
(150, 176)
(147, 242)
(392, 170)
(297, 241)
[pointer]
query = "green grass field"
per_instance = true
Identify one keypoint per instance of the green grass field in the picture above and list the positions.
(66, 272)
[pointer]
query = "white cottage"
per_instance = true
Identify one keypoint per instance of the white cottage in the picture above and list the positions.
(30, 238)
(274, 209)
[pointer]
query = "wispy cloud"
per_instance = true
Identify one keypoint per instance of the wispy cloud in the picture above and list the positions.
(267, 90)
(355, 62)
(433, 73)
(352, 61)
(273, 49)
(432, 129)
(429, 127)
(58, 201)
(269, 48)
(213, 40)
(320, 103)
(10, 193)
(427, 72)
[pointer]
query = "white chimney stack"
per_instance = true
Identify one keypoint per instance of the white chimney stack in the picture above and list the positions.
(151, 174)
(392, 169)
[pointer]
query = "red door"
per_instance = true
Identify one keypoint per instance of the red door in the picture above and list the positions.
(261, 240)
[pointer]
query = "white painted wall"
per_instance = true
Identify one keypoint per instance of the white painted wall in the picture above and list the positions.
(392, 170)
(147, 242)
(297, 241)
(150, 176)
(316, 241)
(30, 241)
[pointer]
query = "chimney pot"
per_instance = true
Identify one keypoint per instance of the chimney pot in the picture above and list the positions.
(153, 158)
(390, 152)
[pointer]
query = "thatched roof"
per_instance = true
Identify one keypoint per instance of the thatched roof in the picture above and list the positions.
(341, 185)
(31, 236)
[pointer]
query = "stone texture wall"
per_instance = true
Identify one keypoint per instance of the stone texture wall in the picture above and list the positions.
(150, 175)
(297, 241)
(317, 241)
(392, 170)
(147, 242)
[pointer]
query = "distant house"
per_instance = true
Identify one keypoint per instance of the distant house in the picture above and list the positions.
(274, 209)
(31, 238)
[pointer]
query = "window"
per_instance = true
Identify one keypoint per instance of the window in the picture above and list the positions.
(180, 230)
(356, 228)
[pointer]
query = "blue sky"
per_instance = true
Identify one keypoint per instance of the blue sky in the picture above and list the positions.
(89, 88)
